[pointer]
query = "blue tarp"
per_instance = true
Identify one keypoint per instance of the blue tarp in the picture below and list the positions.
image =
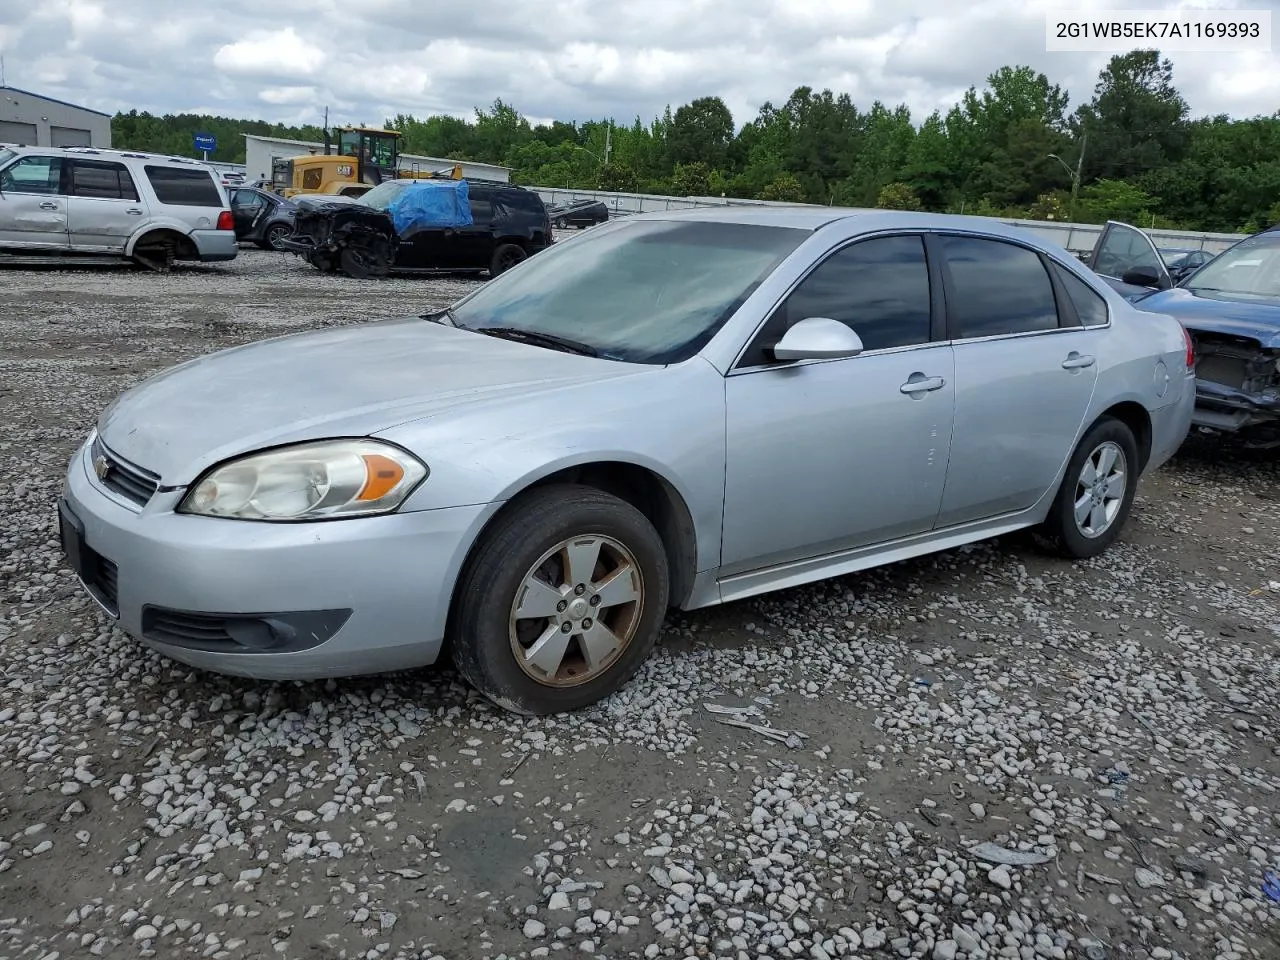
(431, 203)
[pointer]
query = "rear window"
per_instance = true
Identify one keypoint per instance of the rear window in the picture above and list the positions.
(185, 188)
(102, 181)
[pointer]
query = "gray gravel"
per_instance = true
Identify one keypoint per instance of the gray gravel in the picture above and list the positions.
(1114, 723)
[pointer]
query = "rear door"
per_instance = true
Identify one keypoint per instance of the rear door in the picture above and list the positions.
(247, 210)
(33, 204)
(1026, 363)
(104, 208)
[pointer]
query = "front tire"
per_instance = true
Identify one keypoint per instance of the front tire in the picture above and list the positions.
(561, 602)
(275, 235)
(1097, 492)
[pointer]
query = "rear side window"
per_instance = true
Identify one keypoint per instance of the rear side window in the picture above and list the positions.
(1090, 307)
(33, 175)
(102, 181)
(184, 188)
(481, 205)
(1000, 288)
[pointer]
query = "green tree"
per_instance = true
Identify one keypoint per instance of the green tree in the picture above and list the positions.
(1115, 200)
(1137, 120)
(898, 196)
(691, 180)
(784, 187)
(617, 177)
(700, 132)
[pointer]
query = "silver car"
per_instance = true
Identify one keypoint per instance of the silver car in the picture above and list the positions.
(677, 409)
(94, 205)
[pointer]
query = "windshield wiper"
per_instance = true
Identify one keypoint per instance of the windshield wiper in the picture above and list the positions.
(550, 340)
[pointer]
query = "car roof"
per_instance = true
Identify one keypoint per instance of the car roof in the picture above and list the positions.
(109, 154)
(812, 217)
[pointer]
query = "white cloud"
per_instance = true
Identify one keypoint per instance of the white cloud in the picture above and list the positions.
(572, 59)
(276, 53)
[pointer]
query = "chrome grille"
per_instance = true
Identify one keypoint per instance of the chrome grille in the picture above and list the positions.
(131, 482)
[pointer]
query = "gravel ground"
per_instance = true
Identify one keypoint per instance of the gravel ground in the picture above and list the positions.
(1113, 722)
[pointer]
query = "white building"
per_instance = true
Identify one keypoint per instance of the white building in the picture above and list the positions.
(37, 121)
(261, 152)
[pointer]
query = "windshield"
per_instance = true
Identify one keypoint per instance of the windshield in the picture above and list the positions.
(1249, 270)
(385, 194)
(648, 291)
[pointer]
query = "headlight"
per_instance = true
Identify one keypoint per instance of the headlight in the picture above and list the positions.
(311, 481)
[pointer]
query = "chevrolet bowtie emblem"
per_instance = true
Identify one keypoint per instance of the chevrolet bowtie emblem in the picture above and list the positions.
(101, 467)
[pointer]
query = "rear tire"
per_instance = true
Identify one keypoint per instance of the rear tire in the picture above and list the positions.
(506, 256)
(361, 263)
(1097, 492)
(537, 635)
(274, 235)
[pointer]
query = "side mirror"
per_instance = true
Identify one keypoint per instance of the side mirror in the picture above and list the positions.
(818, 338)
(1144, 277)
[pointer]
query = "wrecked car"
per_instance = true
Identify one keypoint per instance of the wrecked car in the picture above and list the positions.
(1231, 308)
(421, 226)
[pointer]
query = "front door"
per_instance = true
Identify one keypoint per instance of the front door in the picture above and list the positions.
(1121, 248)
(1026, 367)
(104, 209)
(33, 204)
(828, 455)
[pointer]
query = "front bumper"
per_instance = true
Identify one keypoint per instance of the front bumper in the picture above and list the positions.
(1221, 407)
(213, 246)
(381, 586)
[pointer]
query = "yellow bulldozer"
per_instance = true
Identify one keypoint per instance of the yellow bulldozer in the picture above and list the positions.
(365, 158)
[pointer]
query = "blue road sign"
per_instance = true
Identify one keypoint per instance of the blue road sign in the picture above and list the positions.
(206, 142)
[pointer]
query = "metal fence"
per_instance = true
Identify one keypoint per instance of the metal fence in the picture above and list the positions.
(1076, 237)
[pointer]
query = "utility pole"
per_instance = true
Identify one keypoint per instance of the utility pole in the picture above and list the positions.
(1075, 181)
(608, 141)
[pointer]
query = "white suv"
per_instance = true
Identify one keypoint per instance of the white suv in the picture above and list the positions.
(109, 204)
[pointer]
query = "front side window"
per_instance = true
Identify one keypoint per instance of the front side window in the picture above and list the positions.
(879, 288)
(183, 187)
(645, 291)
(41, 175)
(247, 200)
(102, 181)
(999, 288)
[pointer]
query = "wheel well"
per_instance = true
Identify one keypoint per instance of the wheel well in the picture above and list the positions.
(1134, 416)
(651, 495)
(183, 247)
(521, 242)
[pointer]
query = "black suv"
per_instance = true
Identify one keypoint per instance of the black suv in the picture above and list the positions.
(358, 236)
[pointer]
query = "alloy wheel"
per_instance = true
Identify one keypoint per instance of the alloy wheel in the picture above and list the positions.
(576, 611)
(1100, 489)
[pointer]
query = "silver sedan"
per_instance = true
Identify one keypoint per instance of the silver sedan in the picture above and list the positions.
(680, 409)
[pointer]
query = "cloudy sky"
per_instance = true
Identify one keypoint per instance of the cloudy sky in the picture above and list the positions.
(284, 60)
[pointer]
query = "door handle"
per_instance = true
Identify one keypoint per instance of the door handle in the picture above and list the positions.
(1076, 361)
(922, 385)
(48, 205)
(134, 212)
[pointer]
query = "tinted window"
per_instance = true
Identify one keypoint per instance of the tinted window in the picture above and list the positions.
(1090, 306)
(879, 288)
(247, 200)
(33, 175)
(1000, 288)
(184, 188)
(101, 180)
(1124, 248)
(481, 205)
(646, 291)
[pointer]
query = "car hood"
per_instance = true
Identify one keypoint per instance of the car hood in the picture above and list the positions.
(1258, 320)
(353, 381)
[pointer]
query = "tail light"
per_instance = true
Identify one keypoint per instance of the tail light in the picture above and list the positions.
(226, 221)
(1191, 348)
